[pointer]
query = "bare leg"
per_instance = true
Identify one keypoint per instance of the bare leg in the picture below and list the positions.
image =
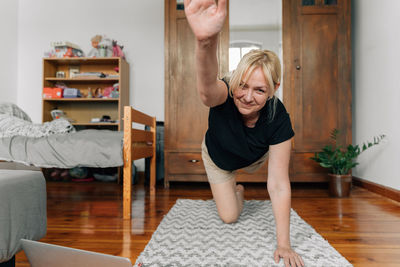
(229, 200)
(240, 196)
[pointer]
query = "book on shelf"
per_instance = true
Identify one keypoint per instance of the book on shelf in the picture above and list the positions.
(88, 75)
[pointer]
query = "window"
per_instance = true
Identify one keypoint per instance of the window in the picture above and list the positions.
(308, 2)
(330, 2)
(238, 49)
(179, 5)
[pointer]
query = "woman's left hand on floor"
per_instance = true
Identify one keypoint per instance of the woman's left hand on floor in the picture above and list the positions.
(290, 257)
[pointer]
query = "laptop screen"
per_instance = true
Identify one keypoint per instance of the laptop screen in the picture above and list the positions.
(47, 255)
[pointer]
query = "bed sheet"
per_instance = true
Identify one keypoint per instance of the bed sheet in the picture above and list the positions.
(86, 148)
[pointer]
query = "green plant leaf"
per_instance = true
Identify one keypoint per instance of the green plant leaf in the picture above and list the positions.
(325, 165)
(364, 147)
(341, 160)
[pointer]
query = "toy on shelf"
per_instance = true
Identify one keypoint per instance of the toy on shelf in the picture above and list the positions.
(107, 91)
(60, 114)
(115, 91)
(97, 93)
(95, 44)
(117, 50)
(101, 46)
(57, 114)
(89, 94)
(65, 49)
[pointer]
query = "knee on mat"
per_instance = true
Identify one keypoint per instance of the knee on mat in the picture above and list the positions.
(229, 218)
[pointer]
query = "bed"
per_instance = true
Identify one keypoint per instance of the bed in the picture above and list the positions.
(97, 148)
(22, 209)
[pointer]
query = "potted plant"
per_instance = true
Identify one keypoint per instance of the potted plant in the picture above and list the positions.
(340, 161)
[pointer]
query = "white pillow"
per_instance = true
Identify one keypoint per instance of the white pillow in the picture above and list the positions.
(13, 110)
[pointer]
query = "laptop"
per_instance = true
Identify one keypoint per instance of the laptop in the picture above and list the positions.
(47, 255)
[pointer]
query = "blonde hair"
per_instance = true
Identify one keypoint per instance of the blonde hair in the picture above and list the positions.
(96, 39)
(271, 67)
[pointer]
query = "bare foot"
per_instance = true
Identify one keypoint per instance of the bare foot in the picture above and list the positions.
(240, 196)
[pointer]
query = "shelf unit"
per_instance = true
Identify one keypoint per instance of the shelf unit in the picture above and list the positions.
(82, 110)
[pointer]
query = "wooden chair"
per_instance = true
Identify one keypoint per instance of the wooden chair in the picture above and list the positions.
(137, 144)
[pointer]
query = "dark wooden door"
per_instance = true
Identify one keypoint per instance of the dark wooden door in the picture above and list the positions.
(186, 117)
(317, 78)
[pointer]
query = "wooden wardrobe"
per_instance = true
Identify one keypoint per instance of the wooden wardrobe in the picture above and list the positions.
(316, 78)
(317, 92)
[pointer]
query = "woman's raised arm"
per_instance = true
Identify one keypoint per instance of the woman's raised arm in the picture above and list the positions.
(206, 20)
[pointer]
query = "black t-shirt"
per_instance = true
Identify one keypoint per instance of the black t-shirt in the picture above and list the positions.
(232, 145)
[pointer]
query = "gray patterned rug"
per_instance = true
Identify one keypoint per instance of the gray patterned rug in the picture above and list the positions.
(192, 234)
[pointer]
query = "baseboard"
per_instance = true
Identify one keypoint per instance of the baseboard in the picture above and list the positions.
(377, 188)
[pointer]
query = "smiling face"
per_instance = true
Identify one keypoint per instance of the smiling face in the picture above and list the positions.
(252, 94)
(256, 78)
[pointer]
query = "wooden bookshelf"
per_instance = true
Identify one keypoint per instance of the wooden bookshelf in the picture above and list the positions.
(82, 110)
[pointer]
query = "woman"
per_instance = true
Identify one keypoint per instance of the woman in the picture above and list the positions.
(247, 124)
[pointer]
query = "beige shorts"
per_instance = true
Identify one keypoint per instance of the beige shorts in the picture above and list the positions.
(217, 175)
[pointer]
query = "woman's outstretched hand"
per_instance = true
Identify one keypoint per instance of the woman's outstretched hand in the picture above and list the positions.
(290, 257)
(205, 17)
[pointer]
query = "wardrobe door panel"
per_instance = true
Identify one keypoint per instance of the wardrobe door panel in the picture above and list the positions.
(186, 117)
(316, 79)
(189, 115)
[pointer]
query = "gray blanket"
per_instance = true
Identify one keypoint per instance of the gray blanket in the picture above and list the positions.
(12, 126)
(87, 148)
(22, 209)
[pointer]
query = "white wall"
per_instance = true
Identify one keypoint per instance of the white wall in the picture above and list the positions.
(376, 88)
(8, 48)
(137, 25)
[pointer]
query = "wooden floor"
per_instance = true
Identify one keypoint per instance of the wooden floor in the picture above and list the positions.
(364, 228)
